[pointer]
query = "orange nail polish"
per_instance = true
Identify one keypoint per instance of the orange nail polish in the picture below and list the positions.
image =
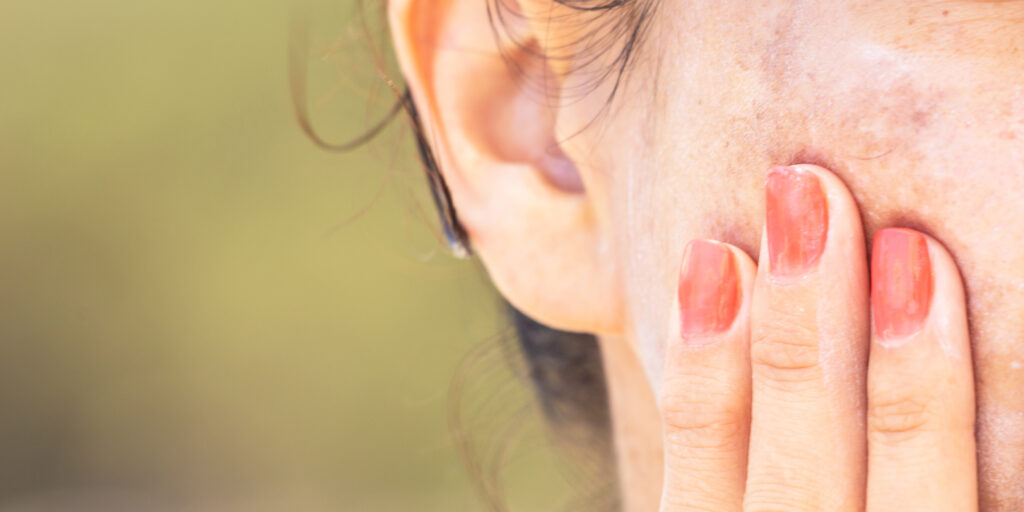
(796, 220)
(901, 282)
(709, 289)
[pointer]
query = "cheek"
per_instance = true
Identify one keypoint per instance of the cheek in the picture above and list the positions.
(649, 215)
(631, 188)
(923, 139)
(941, 150)
(918, 145)
(664, 192)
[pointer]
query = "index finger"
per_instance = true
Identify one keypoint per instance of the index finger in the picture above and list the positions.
(705, 392)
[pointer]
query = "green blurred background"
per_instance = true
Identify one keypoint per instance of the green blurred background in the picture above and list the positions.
(199, 310)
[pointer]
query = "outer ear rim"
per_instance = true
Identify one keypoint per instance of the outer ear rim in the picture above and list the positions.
(565, 276)
(454, 232)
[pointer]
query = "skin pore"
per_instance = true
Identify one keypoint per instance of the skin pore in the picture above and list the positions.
(917, 106)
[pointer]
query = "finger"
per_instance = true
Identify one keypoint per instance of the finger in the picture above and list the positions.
(705, 392)
(809, 339)
(921, 452)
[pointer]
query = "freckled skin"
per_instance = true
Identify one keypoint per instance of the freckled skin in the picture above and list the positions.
(918, 106)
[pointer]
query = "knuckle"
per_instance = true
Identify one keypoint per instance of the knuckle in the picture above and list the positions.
(895, 416)
(781, 497)
(691, 502)
(776, 506)
(702, 423)
(784, 355)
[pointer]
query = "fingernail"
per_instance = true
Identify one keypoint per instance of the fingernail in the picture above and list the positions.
(796, 220)
(709, 289)
(901, 282)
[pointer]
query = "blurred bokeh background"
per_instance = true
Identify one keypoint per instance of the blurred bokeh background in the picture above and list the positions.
(200, 310)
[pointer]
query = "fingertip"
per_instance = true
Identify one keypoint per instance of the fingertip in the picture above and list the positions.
(747, 267)
(948, 316)
(842, 207)
(748, 279)
(715, 282)
(916, 288)
(902, 283)
(812, 224)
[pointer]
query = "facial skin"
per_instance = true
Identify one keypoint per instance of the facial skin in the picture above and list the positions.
(918, 106)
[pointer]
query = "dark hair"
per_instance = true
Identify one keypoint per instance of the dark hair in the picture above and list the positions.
(597, 28)
(565, 369)
(567, 373)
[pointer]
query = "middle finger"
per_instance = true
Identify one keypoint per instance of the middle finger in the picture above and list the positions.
(809, 340)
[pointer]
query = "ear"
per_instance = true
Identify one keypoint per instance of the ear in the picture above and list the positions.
(523, 202)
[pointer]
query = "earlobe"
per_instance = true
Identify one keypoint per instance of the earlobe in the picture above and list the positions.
(490, 115)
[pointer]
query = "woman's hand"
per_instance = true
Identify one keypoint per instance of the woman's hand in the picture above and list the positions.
(800, 385)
